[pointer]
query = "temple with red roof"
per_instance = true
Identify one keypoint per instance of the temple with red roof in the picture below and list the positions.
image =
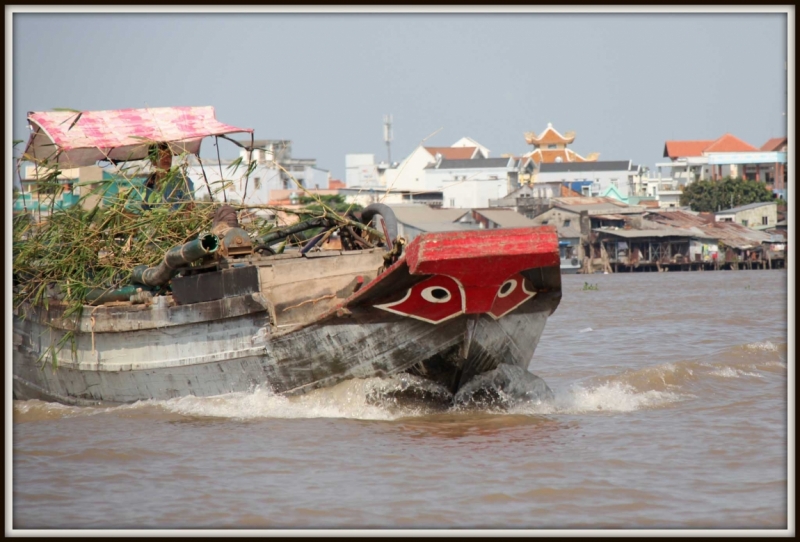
(551, 147)
(699, 159)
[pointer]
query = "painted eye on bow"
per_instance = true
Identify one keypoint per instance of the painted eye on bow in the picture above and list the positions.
(436, 294)
(507, 288)
(433, 300)
(511, 294)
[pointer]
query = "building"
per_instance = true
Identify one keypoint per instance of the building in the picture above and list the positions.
(726, 156)
(754, 215)
(736, 243)
(276, 154)
(363, 170)
(472, 182)
(43, 189)
(227, 180)
(778, 145)
(90, 186)
(273, 168)
(576, 217)
(522, 200)
(551, 147)
(680, 240)
(615, 178)
(410, 173)
(367, 195)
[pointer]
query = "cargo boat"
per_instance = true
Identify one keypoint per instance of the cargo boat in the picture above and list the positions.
(447, 310)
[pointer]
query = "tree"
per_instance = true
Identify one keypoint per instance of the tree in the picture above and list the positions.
(713, 196)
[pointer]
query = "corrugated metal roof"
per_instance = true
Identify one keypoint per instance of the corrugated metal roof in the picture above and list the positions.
(635, 234)
(506, 218)
(594, 209)
(729, 233)
(416, 215)
(443, 226)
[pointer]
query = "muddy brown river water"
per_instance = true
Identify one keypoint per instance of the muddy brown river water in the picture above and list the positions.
(670, 411)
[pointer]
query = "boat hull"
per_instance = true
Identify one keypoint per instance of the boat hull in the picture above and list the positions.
(320, 355)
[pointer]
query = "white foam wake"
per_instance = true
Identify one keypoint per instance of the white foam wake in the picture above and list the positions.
(765, 346)
(730, 372)
(609, 397)
(346, 400)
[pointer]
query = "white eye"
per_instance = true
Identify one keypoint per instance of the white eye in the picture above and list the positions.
(508, 286)
(436, 294)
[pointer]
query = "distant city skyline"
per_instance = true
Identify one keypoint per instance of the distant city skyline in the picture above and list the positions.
(625, 83)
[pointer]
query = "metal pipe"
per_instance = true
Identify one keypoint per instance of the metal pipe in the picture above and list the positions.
(311, 244)
(98, 296)
(175, 258)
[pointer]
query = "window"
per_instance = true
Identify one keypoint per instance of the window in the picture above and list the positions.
(615, 183)
(552, 146)
(544, 222)
(452, 202)
(567, 222)
(744, 222)
(764, 220)
(257, 181)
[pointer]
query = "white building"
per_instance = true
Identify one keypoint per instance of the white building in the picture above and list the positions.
(619, 176)
(228, 182)
(472, 183)
(360, 170)
(274, 169)
(410, 173)
(363, 170)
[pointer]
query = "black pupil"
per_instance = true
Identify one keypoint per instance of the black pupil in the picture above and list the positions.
(506, 287)
(439, 293)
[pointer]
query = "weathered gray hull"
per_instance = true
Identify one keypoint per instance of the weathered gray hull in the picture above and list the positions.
(237, 350)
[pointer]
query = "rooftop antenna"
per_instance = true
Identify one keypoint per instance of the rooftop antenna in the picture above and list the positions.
(387, 136)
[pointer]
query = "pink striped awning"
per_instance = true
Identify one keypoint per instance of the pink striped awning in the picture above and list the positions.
(81, 139)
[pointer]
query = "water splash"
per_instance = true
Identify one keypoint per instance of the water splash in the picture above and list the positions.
(608, 397)
(346, 400)
(765, 346)
(628, 391)
(730, 372)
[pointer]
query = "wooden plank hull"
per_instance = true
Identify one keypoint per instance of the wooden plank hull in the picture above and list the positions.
(296, 362)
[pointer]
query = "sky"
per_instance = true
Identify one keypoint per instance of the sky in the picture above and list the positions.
(625, 83)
